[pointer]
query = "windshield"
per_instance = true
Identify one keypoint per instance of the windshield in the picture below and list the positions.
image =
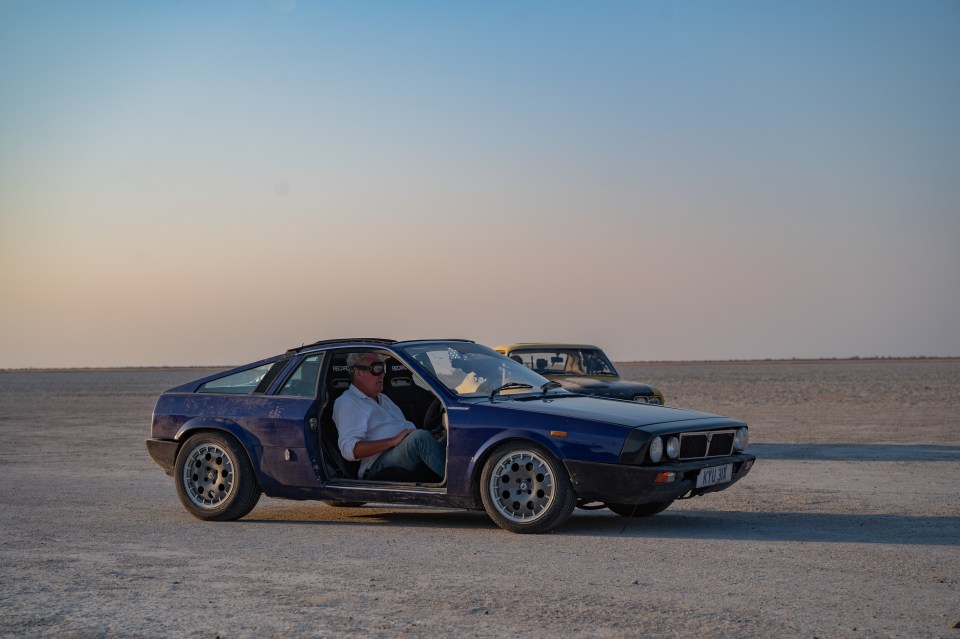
(565, 361)
(471, 370)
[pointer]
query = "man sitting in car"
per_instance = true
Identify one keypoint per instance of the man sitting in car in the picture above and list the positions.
(373, 430)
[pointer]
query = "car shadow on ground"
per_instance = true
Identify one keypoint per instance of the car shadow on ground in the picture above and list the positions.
(775, 526)
(372, 514)
(702, 524)
(856, 452)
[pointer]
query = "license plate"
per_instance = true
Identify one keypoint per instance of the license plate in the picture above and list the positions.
(714, 475)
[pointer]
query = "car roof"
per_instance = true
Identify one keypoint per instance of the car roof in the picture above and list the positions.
(349, 340)
(542, 345)
(372, 341)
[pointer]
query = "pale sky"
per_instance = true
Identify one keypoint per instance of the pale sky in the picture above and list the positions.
(187, 182)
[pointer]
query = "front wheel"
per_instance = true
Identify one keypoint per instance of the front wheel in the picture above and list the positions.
(214, 478)
(640, 510)
(525, 490)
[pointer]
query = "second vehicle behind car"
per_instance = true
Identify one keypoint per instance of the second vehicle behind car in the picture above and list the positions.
(580, 368)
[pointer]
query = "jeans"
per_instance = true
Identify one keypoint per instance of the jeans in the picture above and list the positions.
(418, 446)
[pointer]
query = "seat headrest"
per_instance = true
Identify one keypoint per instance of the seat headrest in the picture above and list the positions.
(397, 375)
(338, 377)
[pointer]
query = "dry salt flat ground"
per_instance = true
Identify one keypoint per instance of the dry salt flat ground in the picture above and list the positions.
(848, 526)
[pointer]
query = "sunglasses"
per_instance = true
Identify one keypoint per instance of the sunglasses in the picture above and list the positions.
(375, 369)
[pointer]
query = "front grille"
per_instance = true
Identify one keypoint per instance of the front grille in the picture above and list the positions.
(721, 444)
(693, 446)
(710, 444)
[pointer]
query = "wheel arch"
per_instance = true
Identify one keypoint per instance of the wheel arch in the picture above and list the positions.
(197, 424)
(215, 424)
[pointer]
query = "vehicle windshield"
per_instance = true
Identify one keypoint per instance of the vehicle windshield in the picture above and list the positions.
(565, 361)
(472, 370)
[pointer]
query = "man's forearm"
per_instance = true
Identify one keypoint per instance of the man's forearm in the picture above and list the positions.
(372, 447)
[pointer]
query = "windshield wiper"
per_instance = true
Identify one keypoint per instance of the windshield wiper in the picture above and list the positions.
(551, 384)
(508, 386)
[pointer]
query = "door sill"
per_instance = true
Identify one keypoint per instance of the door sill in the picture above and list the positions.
(392, 486)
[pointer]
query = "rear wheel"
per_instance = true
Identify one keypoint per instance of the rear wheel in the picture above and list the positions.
(525, 490)
(214, 478)
(640, 510)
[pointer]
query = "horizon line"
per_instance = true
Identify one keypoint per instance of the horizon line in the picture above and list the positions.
(765, 360)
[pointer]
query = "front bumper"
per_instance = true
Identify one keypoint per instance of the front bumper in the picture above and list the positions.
(164, 452)
(624, 484)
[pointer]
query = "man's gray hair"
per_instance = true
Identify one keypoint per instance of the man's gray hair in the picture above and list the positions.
(354, 358)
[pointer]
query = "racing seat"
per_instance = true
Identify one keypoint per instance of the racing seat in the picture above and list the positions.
(337, 381)
(412, 400)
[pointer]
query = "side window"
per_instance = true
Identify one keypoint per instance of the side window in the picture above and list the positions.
(303, 381)
(241, 383)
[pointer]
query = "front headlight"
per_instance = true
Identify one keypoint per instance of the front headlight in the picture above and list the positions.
(656, 450)
(740, 439)
(673, 447)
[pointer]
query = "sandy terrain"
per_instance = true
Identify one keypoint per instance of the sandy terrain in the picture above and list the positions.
(848, 526)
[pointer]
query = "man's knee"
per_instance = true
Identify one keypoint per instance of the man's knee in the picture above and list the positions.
(423, 442)
(421, 437)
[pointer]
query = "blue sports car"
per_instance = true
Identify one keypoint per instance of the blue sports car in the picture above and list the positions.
(517, 445)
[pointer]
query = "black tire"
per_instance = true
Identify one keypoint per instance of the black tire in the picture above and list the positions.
(214, 478)
(640, 510)
(344, 504)
(525, 490)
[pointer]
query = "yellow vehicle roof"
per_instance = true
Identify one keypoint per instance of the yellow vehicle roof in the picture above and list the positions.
(547, 346)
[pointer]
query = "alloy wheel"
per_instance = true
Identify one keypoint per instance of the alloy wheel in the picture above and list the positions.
(208, 475)
(521, 486)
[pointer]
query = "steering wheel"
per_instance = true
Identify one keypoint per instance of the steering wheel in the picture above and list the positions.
(433, 419)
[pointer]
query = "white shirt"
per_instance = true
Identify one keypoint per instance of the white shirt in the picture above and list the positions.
(359, 417)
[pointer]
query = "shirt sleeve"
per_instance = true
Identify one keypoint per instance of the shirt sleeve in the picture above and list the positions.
(351, 425)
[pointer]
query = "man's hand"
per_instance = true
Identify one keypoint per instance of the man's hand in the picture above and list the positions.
(372, 447)
(399, 437)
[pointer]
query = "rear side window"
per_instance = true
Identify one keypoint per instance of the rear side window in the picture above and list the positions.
(303, 381)
(242, 383)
